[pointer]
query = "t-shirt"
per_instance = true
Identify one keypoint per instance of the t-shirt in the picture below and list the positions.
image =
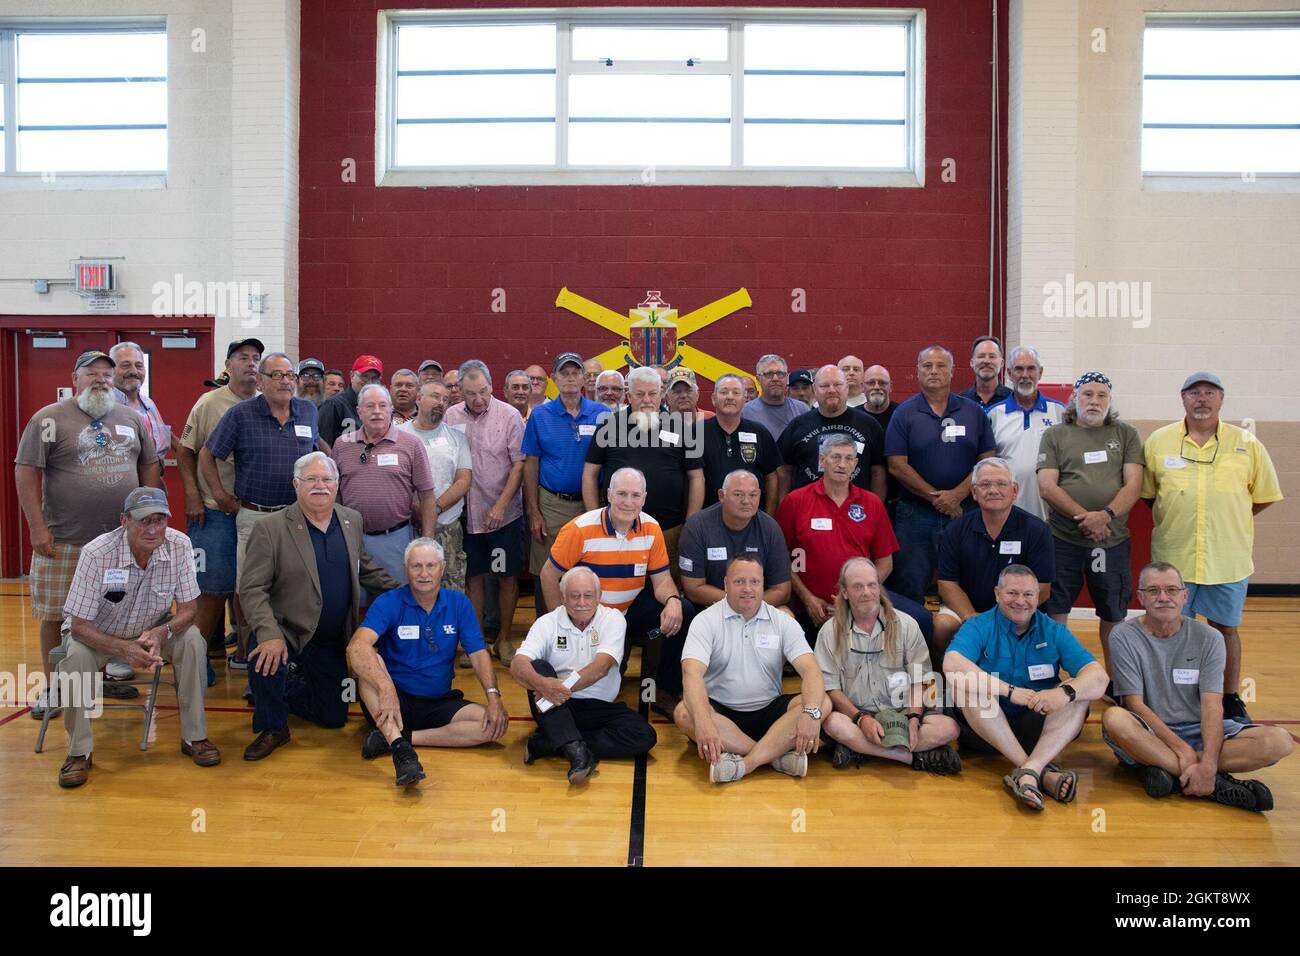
(1169, 672)
(749, 448)
(205, 414)
(88, 466)
(448, 451)
(664, 454)
(707, 544)
(799, 443)
(892, 488)
(744, 660)
(774, 417)
(338, 414)
(1091, 464)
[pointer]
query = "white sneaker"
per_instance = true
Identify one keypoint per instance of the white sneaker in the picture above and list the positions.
(118, 669)
(41, 704)
(796, 765)
(728, 768)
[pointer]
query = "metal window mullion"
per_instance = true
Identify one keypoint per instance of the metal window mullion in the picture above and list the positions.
(736, 32)
(563, 48)
(8, 69)
(650, 67)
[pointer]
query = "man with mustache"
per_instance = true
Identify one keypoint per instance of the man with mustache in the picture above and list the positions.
(774, 407)
(611, 389)
(1020, 422)
(339, 412)
(311, 380)
(1207, 479)
(986, 362)
(128, 377)
(878, 385)
(801, 387)
(77, 461)
(519, 392)
(405, 388)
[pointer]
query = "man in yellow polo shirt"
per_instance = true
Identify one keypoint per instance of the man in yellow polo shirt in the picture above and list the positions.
(1206, 480)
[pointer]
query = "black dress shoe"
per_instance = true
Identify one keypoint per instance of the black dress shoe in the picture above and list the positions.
(581, 760)
(406, 763)
(536, 747)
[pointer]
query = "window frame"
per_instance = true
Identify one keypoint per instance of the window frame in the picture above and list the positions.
(387, 173)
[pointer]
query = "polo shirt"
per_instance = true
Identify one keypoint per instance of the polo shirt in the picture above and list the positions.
(749, 448)
(334, 569)
(972, 560)
(871, 678)
(383, 487)
(662, 455)
(418, 648)
(1000, 394)
(338, 414)
(801, 438)
(623, 562)
(744, 659)
(1031, 660)
(559, 441)
(1018, 432)
(1203, 498)
(942, 450)
(774, 417)
(892, 488)
(707, 544)
(264, 450)
(554, 638)
(495, 440)
(823, 535)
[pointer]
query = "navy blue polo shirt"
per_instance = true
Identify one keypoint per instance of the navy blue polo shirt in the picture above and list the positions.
(419, 649)
(264, 450)
(1000, 394)
(973, 560)
(334, 569)
(559, 441)
(942, 449)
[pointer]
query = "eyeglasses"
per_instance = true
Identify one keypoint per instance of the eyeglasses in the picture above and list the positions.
(101, 439)
(312, 376)
(773, 374)
(318, 480)
(1202, 461)
(365, 455)
(990, 485)
(282, 376)
(1172, 591)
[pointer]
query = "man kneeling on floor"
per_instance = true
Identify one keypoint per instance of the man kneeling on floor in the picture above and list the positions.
(403, 656)
(569, 666)
(875, 664)
(1169, 676)
(732, 704)
(1003, 668)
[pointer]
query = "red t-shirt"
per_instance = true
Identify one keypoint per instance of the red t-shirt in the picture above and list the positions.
(821, 535)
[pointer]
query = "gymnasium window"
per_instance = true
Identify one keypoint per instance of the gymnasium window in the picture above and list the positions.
(821, 97)
(1221, 96)
(86, 99)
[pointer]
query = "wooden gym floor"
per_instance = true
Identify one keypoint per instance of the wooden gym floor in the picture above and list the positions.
(317, 802)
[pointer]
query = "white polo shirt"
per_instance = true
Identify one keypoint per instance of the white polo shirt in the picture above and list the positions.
(743, 659)
(1019, 432)
(555, 639)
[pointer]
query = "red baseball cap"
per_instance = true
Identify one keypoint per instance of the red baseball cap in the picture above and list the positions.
(367, 363)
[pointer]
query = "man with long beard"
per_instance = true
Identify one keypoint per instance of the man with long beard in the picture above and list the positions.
(77, 461)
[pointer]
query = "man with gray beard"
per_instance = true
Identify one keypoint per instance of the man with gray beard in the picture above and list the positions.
(311, 380)
(610, 389)
(1019, 423)
(77, 461)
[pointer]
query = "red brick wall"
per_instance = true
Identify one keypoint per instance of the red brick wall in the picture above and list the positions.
(408, 273)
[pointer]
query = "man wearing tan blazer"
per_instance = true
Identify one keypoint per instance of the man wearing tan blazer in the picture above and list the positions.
(300, 589)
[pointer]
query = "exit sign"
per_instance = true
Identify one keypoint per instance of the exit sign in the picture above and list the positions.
(92, 276)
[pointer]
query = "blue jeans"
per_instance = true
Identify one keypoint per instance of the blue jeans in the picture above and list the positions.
(309, 686)
(917, 527)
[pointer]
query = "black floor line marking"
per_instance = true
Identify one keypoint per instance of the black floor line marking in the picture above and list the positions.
(636, 823)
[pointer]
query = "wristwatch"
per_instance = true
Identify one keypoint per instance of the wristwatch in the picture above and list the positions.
(814, 712)
(1069, 691)
(857, 718)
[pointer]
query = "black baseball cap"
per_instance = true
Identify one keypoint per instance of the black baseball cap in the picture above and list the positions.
(800, 376)
(566, 358)
(240, 343)
(307, 363)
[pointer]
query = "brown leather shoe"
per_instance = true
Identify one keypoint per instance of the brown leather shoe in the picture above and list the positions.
(266, 741)
(203, 751)
(74, 771)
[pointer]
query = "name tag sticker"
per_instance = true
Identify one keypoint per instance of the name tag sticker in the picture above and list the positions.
(1041, 671)
(717, 554)
(954, 431)
(747, 436)
(639, 569)
(1009, 547)
(1187, 675)
(302, 431)
(821, 524)
(859, 446)
(685, 563)
(586, 430)
(1174, 462)
(126, 431)
(408, 632)
(387, 461)
(1094, 457)
(116, 576)
(765, 641)
(668, 438)
(897, 680)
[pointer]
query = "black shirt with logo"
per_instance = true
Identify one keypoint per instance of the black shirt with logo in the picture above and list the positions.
(801, 438)
(750, 447)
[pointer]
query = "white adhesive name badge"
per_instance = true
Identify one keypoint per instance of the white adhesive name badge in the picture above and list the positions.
(685, 563)
(116, 576)
(765, 641)
(717, 554)
(302, 431)
(126, 431)
(586, 430)
(387, 461)
(821, 524)
(1009, 547)
(639, 569)
(747, 436)
(954, 431)
(408, 632)
(897, 680)
(1173, 461)
(859, 446)
(1094, 457)
(1187, 675)
(1041, 671)
(668, 438)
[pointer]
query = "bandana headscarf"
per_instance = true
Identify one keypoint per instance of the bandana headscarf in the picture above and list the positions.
(1088, 377)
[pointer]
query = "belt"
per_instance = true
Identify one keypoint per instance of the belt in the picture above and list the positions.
(563, 496)
(396, 527)
(262, 508)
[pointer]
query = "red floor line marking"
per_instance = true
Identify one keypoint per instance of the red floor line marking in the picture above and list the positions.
(14, 716)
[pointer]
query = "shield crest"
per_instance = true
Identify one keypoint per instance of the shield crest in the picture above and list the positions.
(652, 335)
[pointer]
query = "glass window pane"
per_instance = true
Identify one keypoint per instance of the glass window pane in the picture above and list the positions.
(92, 54)
(705, 95)
(649, 43)
(1200, 50)
(839, 46)
(650, 144)
(49, 104)
(494, 95)
(806, 144)
(92, 151)
(826, 97)
(475, 144)
(1221, 101)
(1231, 151)
(495, 47)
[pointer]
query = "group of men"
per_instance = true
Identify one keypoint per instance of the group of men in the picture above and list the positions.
(374, 531)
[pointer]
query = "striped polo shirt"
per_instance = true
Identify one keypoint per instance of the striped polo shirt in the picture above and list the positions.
(623, 562)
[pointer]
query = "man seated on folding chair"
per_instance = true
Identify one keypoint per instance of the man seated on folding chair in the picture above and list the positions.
(120, 605)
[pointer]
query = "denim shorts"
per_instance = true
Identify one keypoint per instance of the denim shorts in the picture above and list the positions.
(1189, 732)
(1221, 603)
(214, 551)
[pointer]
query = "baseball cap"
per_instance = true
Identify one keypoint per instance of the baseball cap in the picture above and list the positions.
(146, 501)
(566, 358)
(894, 725)
(800, 376)
(238, 344)
(429, 363)
(307, 363)
(367, 363)
(91, 355)
(1207, 377)
(681, 374)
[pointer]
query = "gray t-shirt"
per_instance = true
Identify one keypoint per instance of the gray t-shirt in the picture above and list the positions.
(448, 451)
(1091, 465)
(1169, 672)
(707, 544)
(744, 659)
(775, 417)
(88, 466)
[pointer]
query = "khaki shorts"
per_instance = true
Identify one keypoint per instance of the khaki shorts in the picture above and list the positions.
(51, 579)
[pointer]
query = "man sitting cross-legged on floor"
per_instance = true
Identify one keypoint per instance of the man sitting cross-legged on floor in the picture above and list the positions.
(570, 661)
(1003, 668)
(403, 655)
(732, 704)
(1169, 674)
(875, 664)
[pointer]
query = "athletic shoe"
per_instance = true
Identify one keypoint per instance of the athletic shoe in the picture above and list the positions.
(41, 704)
(728, 768)
(1231, 792)
(1158, 782)
(237, 663)
(1263, 795)
(1235, 709)
(374, 745)
(503, 650)
(843, 757)
(118, 669)
(938, 760)
(406, 763)
(796, 765)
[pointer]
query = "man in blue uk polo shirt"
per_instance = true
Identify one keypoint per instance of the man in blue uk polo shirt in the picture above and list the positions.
(933, 442)
(556, 437)
(403, 655)
(1003, 667)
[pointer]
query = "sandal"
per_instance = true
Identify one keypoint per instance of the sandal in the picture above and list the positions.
(1067, 788)
(1025, 793)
